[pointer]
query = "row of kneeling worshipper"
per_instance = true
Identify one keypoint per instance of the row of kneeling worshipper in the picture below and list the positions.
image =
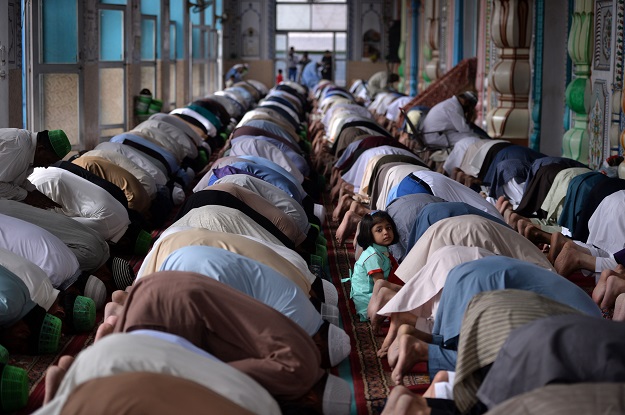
(230, 311)
(469, 286)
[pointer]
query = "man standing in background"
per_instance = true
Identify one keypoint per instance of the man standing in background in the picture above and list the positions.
(292, 62)
(305, 60)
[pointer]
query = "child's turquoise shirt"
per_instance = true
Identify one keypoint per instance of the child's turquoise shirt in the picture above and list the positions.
(372, 260)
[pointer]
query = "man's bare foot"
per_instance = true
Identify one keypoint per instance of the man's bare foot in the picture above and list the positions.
(112, 309)
(410, 351)
(119, 297)
(402, 401)
(532, 232)
(334, 192)
(54, 377)
(470, 181)
(556, 242)
(501, 204)
(345, 189)
(358, 208)
(106, 328)
(614, 286)
(398, 320)
(567, 260)
(441, 376)
(342, 206)
(599, 291)
(619, 308)
(405, 329)
(334, 177)
(347, 227)
(512, 218)
(459, 176)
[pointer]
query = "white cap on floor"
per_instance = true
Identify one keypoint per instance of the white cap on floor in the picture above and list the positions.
(320, 213)
(96, 290)
(330, 313)
(177, 195)
(337, 397)
(339, 344)
(330, 295)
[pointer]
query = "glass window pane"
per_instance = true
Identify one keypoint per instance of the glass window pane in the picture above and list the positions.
(196, 43)
(122, 2)
(293, 17)
(59, 31)
(151, 7)
(112, 93)
(212, 45)
(148, 79)
(340, 72)
(329, 17)
(195, 17)
(206, 44)
(281, 44)
(172, 85)
(340, 42)
(111, 35)
(312, 41)
(219, 9)
(148, 34)
(176, 14)
(172, 41)
(60, 104)
(208, 15)
(109, 133)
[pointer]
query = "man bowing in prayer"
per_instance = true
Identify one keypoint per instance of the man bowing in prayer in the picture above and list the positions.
(20, 152)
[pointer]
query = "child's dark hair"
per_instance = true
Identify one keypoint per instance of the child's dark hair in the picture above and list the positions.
(365, 236)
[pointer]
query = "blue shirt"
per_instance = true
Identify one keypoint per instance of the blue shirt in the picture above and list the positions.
(374, 259)
(435, 212)
(498, 273)
(15, 301)
(311, 75)
(250, 277)
(271, 175)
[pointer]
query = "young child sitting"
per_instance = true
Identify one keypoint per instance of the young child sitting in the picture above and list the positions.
(377, 231)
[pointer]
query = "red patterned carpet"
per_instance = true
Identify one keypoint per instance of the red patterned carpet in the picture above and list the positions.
(370, 375)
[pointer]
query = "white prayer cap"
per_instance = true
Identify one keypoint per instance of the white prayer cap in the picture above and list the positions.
(331, 296)
(330, 313)
(96, 290)
(338, 344)
(337, 396)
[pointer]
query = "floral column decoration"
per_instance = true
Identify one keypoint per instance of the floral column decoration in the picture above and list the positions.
(511, 75)
(575, 142)
(432, 69)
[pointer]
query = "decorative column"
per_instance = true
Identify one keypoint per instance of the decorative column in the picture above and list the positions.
(510, 77)
(575, 142)
(617, 93)
(537, 92)
(432, 69)
(414, 53)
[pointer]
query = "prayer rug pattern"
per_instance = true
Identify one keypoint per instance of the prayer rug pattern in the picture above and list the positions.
(369, 375)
